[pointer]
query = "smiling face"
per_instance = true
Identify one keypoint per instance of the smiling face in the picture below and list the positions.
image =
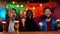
(47, 12)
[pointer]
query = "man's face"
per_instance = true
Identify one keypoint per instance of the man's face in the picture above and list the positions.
(47, 12)
(13, 14)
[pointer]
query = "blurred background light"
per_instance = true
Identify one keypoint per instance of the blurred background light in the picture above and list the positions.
(21, 5)
(40, 4)
(33, 8)
(2, 13)
(17, 6)
(13, 2)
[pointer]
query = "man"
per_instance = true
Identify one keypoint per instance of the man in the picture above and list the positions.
(29, 23)
(10, 21)
(48, 23)
(1, 25)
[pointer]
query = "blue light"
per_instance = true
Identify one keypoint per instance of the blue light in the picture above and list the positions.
(2, 13)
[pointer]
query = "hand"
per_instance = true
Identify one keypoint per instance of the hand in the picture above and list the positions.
(40, 23)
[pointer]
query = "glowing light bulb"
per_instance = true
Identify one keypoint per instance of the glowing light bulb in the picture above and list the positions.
(13, 2)
(33, 7)
(21, 5)
(17, 5)
(40, 4)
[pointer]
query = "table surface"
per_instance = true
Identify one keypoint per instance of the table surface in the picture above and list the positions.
(30, 33)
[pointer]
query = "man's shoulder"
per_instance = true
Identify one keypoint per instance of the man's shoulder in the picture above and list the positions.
(54, 19)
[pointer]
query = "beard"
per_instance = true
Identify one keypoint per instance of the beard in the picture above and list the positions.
(47, 16)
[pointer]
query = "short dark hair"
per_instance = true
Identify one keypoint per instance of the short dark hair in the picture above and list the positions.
(13, 9)
(47, 8)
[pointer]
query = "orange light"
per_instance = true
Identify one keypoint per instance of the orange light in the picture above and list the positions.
(26, 9)
(40, 4)
(33, 7)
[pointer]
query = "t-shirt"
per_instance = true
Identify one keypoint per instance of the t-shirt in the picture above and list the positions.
(49, 26)
(11, 26)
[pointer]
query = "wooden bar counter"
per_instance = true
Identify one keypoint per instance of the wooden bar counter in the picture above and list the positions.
(30, 33)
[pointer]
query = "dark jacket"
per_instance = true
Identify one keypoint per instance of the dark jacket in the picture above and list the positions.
(54, 25)
(31, 25)
(1, 27)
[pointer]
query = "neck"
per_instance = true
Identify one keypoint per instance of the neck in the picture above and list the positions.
(12, 19)
(48, 19)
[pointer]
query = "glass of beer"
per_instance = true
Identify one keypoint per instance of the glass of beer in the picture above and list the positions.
(58, 24)
(17, 25)
(4, 26)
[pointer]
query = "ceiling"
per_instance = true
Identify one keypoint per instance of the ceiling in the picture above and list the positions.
(33, 1)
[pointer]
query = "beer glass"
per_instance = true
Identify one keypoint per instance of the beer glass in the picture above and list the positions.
(58, 24)
(17, 26)
(4, 26)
